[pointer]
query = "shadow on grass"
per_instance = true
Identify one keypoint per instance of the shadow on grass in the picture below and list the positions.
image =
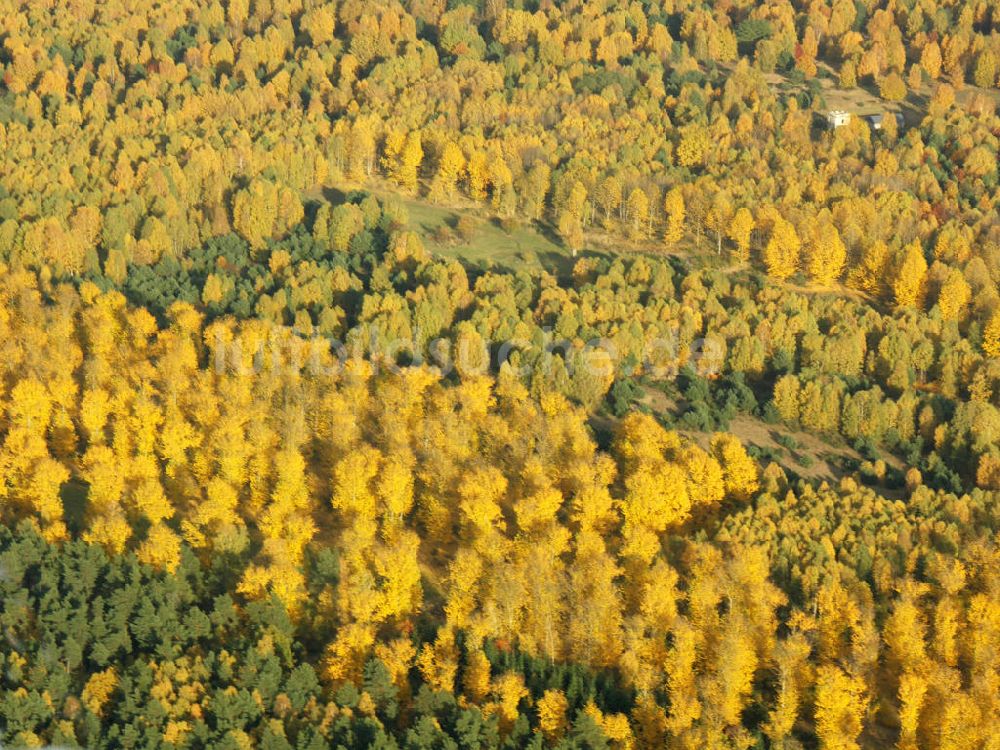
(334, 196)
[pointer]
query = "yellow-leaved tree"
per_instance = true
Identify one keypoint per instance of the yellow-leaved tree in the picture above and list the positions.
(781, 253)
(740, 228)
(908, 286)
(571, 217)
(827, 255)
(408, 165)
(638, 213)
(739, 471)
(255, 211)
(673, 205)
(869, 273)
(991, 336)
(954, 296)
(451, 164)
(552, 707)
(841, 701)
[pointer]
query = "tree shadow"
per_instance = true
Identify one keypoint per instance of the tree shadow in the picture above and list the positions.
(74, 500)
(559, 264)
(548, 232)
(334, 196)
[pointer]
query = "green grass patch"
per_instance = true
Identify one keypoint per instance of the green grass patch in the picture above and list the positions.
(481, 241)
(477, 240)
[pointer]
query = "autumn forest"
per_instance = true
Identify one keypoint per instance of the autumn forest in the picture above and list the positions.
(458, 374)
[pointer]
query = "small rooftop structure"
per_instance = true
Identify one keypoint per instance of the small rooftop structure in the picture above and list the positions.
(836, 118)
(877, 120)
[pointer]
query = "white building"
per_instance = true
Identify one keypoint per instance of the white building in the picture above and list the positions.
(836, 118)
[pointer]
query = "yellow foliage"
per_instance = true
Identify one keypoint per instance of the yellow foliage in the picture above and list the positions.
(740, 228)
(841, 701)
(827, 256)
(781, 254)
(161, 549)
(476, 678)
(438, 662)
(740, 472)
(954, 296)
(673, 205)
(98, 690)
(693, 146)
(110, 530)
(552, 707)
(685, 707)
(615, 727)
(345, 657)
(912, 691)
(735, 667)
(908, 286)
(176, 731)
(509, 691)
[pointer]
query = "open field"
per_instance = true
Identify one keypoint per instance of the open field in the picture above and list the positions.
(524, 246)
(520, 246)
